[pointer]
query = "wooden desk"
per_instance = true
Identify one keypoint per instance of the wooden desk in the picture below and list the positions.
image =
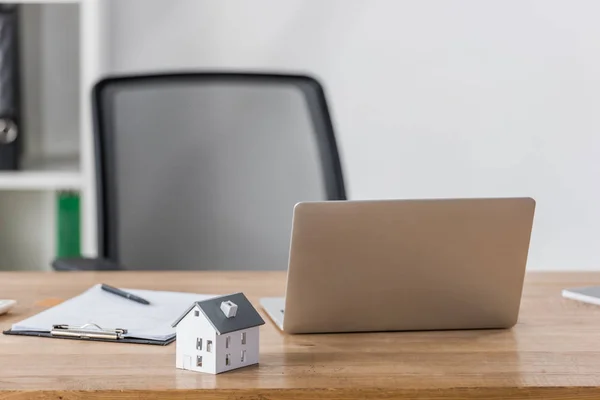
(554, 351)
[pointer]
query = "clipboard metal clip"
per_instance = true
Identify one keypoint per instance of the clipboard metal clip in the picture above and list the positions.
(87, 331)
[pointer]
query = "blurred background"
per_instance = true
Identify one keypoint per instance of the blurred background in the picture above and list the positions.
(429, 99)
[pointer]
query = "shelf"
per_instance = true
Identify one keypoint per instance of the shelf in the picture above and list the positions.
(32, 180)
(45, 1)
(56, 173)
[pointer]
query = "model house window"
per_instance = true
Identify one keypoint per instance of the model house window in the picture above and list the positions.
(227, 341)
(243, 358)
(196, 313)
(243, 337)
(227, 359)
(199, 361)
(209, 346)
(199, 343)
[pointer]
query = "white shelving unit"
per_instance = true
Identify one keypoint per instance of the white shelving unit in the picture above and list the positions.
(40, 181)
(61, 59)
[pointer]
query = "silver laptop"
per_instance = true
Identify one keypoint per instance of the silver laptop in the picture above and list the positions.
(395, 265)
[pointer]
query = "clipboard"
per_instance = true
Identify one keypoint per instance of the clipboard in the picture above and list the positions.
(91, 332)
(97, 315)
(81, 333)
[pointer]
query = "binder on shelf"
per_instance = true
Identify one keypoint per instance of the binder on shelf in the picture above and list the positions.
(10, 122)
(68, 234)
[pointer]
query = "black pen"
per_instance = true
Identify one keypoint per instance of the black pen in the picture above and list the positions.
(123, 293)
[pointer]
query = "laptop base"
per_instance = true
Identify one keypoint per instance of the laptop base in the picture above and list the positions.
(274, 306)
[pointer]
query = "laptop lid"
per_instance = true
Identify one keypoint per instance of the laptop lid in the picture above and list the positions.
(389, 265)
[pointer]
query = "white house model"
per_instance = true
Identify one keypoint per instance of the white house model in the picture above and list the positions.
(218, 335)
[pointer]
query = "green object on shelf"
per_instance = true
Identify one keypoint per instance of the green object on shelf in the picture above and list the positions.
(68, 242)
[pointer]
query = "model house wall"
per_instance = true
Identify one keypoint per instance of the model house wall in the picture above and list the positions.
(236, 347)
(188, 331)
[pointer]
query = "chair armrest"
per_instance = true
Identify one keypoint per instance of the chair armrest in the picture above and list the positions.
(85, 264)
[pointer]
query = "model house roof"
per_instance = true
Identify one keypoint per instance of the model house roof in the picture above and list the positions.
(245, 317)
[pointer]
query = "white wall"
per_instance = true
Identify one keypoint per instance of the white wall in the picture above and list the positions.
(430, 98)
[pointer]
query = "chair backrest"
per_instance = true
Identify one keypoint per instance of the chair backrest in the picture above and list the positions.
(202, 170)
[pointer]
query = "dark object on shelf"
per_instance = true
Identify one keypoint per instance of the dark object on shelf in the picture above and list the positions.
(68, 235)
(85, 264)
(10, 124)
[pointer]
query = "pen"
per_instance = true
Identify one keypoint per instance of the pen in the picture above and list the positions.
(124, 294)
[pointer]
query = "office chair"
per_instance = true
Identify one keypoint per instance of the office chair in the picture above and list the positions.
(202, 170)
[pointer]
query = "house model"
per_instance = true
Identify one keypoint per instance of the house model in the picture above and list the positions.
(218, 335)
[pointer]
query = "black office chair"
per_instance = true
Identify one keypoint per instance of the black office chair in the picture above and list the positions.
(202, 170)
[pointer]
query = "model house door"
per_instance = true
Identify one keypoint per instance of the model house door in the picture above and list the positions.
(187, 362)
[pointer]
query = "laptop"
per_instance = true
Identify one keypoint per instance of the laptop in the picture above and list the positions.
(403, 265)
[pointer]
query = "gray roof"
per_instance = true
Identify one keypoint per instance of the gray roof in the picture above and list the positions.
(246, 316)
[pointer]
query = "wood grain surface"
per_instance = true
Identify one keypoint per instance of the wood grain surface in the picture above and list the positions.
(552, 353)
